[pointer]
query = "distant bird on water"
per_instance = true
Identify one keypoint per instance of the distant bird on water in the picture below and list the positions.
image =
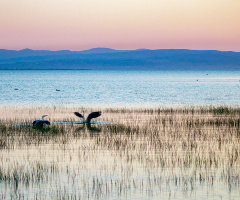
(90, 116)
(41, 123)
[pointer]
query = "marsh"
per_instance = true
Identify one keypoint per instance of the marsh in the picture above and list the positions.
(172, 153)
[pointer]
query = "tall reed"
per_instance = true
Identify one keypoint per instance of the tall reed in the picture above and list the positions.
(142, 153)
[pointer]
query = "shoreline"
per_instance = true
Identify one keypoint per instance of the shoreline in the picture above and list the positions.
(127, 107)
(19, 115)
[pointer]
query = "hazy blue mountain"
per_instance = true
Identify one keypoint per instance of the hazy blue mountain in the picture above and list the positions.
(100, 50)
(105, 58)
(6, 54)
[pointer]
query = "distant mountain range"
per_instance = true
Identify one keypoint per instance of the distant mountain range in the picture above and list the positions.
(106, 59)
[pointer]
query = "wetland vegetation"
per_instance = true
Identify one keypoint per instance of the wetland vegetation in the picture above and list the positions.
(172, 153)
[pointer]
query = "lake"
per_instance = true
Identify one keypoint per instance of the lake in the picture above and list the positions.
(149, 153)
(90, 88)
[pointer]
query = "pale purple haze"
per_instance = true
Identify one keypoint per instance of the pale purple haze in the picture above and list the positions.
(125, 24)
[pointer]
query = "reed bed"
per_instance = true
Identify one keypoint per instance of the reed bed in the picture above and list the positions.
(172, 153)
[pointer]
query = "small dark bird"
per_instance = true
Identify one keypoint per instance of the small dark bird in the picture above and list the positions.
(57, 90)
(90, 116)
(16, 89)
(41, 123)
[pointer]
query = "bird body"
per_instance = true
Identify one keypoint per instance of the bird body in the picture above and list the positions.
(41, 123)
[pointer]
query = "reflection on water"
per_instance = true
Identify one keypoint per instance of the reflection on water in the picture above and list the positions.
(118, 88)
(89, 127)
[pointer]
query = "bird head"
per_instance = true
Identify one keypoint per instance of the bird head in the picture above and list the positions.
(44, 116)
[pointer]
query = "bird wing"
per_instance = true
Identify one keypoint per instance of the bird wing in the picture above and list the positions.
(78, 114)
(93, 115)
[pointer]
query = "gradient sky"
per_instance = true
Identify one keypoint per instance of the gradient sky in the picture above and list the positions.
(120, 24)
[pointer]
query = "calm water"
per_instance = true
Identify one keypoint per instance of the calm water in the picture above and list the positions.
(118, 88)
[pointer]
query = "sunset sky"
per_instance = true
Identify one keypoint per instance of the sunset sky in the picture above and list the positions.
(120, 24)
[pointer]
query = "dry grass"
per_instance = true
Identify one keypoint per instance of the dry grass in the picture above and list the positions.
(145, 153)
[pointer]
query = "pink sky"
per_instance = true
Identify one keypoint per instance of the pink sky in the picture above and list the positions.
(125, 24)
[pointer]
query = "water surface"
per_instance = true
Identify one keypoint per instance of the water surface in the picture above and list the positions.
(118, 88)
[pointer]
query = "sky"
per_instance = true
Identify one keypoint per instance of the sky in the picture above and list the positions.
(120, 24)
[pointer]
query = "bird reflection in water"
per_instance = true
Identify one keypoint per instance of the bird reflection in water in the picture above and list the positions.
(88, 127)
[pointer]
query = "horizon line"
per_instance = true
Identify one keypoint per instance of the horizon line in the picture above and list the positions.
(120, 49)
